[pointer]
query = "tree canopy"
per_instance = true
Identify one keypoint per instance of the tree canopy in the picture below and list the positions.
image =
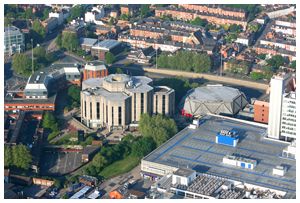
(74, 94)
(158, 127)
(49, 121)
(199, 21)
(145, 10)
(276, 61)
(110, 58)
(256, 75)
(293, 64)
(38, 28)
(76, 12)
(21, 64)
(69, 41)
(185, 60)
(17, 156)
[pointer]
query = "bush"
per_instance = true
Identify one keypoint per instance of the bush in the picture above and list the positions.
(256, 76)
(52, 135)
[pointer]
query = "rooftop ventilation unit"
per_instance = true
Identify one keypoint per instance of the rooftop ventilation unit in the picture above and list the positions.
(279, 170)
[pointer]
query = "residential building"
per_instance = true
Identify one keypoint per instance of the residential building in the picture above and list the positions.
(101, 48)
(14, 41)
(77, 27)
(215, 9)
(61, 15)
(94, 69)
(143, 56)
(87, 43)
(281, 11)
(94, 15)
(50, 24)
(118, 100)
(186, 14)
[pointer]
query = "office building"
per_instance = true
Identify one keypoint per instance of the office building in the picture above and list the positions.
(279, 85)
(14, 41)
(118, 100)
(288, 116)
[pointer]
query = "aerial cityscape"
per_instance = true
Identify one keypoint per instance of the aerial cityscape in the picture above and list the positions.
(149, 101)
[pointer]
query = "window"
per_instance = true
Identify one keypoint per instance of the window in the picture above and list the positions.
(163, 104)
(134, 110)
(84, 108)
(142, 103)
(120, 115)
(106, 114)
(91, 110)
(112, 115)
(156, 103)
(98, 110)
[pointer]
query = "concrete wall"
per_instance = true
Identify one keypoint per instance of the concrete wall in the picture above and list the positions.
(216, 78)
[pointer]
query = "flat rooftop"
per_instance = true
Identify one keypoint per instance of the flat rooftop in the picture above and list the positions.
(196, 149)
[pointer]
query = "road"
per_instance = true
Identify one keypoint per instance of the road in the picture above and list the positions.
(137, 68)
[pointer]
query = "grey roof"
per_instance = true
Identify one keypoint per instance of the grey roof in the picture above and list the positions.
(88, 41)
(92, 82)
(215, 99)
(197, 150)
(185, 172)
(107, 44)
(113, 96)
(12, 30)
(213, 94)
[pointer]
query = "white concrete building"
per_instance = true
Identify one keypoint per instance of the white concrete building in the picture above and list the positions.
(94, 15)
(60, 15)
(288, 116)
(278, 85)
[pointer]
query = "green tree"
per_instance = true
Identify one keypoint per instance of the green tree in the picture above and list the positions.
(8, 161)
(110, 58)
(124, 17)
(76, 12)
(145, 10)
(199, 21)
(119, 71)
(39, 52)
(262, 56)
(256, 76)
(70, 41)
(21, 64)
(230, 37)
(49, 121)
(46, 12)
(293, 64)
(99, 162)
(74, 94)
(58, 40)
(235, 28)
(158, 127)
(28, 14)
(39, 29)
(276, 61)
(21, 157)
(143, 146)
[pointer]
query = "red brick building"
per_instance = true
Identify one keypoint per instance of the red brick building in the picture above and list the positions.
(261, 111)
(94, 69)
(215, 9)
(185, 14)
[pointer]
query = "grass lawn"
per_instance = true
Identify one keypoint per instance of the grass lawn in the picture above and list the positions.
(120, 167)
